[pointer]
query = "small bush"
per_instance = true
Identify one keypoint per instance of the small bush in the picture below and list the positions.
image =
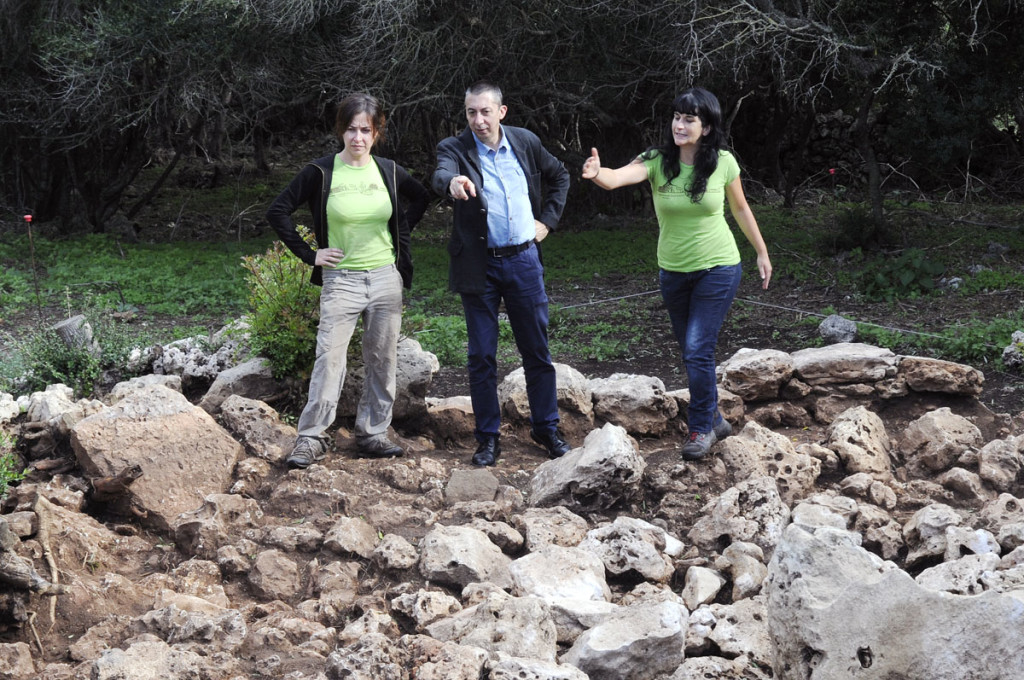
(443, 336)
(40, 358)
(909, 275)
(284, 309)
(11, 469)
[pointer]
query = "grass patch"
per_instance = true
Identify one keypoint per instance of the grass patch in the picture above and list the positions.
(181, 278)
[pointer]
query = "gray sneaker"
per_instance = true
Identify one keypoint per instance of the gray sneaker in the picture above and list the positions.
(723, 429)
(699, 445)
(377, 446)
(306, 452)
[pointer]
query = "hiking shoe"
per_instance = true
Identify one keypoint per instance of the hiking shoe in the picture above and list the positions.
(306, 452)
(377, 446)
(699, 445)
(723, 429)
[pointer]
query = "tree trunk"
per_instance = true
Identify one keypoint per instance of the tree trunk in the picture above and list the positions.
(862, 131)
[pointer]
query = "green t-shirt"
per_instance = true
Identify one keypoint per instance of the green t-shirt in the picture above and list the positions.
(358, 210)
(693, 236)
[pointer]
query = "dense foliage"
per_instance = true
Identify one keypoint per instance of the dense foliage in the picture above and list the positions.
(929, 91)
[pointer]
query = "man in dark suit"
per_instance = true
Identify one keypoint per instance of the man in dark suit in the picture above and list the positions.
(508, 193)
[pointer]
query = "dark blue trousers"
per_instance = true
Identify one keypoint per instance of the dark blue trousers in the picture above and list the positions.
(697, 303)
(519, 281)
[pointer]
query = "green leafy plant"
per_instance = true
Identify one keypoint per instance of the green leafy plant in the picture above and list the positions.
(444, 336)
(39, 357)
(284, 309)
(909, 275)
(11, 469)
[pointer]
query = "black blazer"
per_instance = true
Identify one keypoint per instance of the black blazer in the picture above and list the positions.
(548, 183)
(312, 186)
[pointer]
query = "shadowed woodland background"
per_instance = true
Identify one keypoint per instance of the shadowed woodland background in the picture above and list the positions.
(926, 96)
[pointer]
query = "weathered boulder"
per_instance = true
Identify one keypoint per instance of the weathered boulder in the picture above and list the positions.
(426, 606)
(835, 328)
(858, 436)
(756, 374)
(639, 642)
(253, 379)
(222, 519)
(575, 398)
(258, 427)
(516, 626)
(460, 555)
(844, 362)
(751, 511)
(554, 572)
(631, 547)
(415, 371)
(924, 374)
(935, 440)
(183, 453)
(835, 610)
(756, 451)
(601, 474)
(637, 403)
(555, 525)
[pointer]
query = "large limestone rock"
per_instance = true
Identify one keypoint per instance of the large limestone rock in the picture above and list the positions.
(460, 555)
(844, 362)
(253, 379)
(516, 626)
(182, 451)
(756, 374)
(756, 451)
(935, 440)
(637, 403)
(751, 511)
(632, 547)
(924, 374)
(571, 386)
(639, 642)
(258, 427)
(837, 611)
(554, 572)
(858, 436)
(415, 372)
(601, 474)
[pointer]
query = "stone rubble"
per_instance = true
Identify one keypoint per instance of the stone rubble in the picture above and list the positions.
(871, 550)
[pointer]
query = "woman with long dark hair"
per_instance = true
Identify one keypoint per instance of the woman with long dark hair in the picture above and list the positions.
(363, 208)
(691, 175)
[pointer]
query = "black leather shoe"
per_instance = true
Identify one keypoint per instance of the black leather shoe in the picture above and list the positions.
(555, 445)
(487, 453)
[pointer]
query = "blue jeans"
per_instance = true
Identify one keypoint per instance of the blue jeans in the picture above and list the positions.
(519, 280)
(697, 303)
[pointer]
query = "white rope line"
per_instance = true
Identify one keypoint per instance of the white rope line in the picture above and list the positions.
(765, 304)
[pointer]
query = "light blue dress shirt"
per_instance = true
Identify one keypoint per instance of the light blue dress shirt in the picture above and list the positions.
(507, 195)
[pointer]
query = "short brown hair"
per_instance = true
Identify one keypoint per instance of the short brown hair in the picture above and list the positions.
(354, 104)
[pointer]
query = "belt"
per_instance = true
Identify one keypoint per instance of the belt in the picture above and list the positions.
(508, 251)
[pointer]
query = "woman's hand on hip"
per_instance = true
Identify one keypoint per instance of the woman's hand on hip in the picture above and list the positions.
(329, 257)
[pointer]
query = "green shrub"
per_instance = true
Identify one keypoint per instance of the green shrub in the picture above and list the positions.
(443, 336)
(284, 309)
(909, 275)
(39, 357)
(11, 469)
(978, 342)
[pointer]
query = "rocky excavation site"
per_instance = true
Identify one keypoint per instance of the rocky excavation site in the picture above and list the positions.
(864, 520)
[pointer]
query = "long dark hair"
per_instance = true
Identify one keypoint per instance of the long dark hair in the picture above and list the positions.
(696, 101)
(354, 104)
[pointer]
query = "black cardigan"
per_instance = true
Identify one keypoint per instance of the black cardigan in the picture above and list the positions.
(312, 186)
